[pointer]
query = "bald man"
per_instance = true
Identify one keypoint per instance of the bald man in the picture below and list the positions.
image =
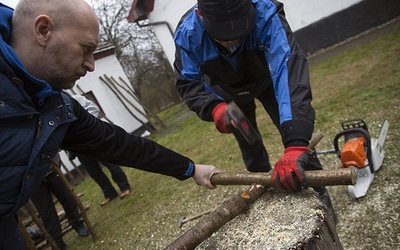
(45, 47)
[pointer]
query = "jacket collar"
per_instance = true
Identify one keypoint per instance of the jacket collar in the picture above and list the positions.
(41, 89)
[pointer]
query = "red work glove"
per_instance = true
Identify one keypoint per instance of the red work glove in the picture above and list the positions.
(221, 118)
(288, 172)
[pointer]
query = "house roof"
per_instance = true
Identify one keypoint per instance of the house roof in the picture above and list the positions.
(140, 9)
(104, 50)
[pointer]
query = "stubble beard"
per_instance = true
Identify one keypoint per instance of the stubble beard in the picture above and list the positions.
(55, 72)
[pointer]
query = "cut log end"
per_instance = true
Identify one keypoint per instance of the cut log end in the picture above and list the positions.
(278, 220)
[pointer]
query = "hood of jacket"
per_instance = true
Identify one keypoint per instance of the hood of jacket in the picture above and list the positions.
(41, 89)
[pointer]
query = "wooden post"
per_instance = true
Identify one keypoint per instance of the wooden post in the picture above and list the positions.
(32, 210)
(75, 167)
(68, 173)
(114, 83)
(78, 201)
(158, 120)
(28, 240)
(133, 115)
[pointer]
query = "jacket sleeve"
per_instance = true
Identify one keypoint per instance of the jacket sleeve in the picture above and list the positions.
(188, 66)
(197, 95)
(87, 104)
(290, 76)
(107, 142)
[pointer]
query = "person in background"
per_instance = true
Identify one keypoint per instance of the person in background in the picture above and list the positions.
(45, 47)
(118, 175)
(43, 200)
(93, 166)
(243, 50)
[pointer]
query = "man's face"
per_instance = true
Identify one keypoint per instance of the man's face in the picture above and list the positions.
(69, 56)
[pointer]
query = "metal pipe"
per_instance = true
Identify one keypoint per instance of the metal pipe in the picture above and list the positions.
(157, 23)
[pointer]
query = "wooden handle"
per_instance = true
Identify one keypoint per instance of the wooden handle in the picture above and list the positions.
(315, 139)
(315, 178)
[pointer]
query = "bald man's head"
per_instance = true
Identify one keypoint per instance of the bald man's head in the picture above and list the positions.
(62, 12)
(55, 39)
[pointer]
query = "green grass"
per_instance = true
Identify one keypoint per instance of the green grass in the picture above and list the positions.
(363, 82)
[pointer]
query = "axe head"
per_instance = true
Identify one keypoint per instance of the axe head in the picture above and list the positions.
(242, 124)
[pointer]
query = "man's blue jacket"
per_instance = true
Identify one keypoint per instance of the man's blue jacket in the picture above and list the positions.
(268, 59)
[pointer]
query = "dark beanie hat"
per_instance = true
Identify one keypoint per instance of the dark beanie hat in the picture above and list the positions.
(227, 20)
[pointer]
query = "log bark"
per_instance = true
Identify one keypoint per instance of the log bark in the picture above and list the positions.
(279, 220)
(216, 219)
(316, 178)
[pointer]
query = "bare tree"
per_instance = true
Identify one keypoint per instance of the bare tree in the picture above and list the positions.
(139, 52)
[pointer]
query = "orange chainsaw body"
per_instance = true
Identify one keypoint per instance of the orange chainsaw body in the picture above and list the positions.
(353, 153)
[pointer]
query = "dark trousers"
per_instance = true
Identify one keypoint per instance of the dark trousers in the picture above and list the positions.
(95, 171)
(43, 201)
(255, 156)
(10, 236)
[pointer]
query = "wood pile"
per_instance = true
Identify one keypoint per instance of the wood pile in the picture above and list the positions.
(278, 220)
(264, 218)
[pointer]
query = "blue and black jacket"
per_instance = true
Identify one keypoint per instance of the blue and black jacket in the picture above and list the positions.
(268, 59)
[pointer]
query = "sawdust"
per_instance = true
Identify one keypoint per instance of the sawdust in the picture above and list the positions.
(277, 220)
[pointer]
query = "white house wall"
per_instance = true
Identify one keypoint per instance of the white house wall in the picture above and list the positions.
(303, 13)
(111, 105)
(169, 11)
(299, 14)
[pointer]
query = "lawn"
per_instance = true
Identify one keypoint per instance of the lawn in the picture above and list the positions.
(363, 82)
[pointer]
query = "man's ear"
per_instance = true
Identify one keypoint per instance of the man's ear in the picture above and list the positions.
(197, 11)
(42, 29)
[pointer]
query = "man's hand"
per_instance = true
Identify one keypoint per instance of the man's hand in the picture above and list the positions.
(221, 118)
(203, 173)
(288, 172)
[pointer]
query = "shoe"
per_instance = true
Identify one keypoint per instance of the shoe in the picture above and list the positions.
(106, 201)
(125, 193)
(82, 231)
(61, 244)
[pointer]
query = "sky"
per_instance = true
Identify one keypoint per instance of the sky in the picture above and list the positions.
(11, 3)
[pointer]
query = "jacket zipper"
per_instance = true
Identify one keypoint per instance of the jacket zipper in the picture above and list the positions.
(39, 129)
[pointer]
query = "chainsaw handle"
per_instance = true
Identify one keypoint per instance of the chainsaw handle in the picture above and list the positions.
(364, 133)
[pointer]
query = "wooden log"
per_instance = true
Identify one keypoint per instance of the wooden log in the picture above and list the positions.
(279, 220)
(217, 218)
(315, 178)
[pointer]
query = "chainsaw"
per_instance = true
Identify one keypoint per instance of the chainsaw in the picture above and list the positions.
(361, 152)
